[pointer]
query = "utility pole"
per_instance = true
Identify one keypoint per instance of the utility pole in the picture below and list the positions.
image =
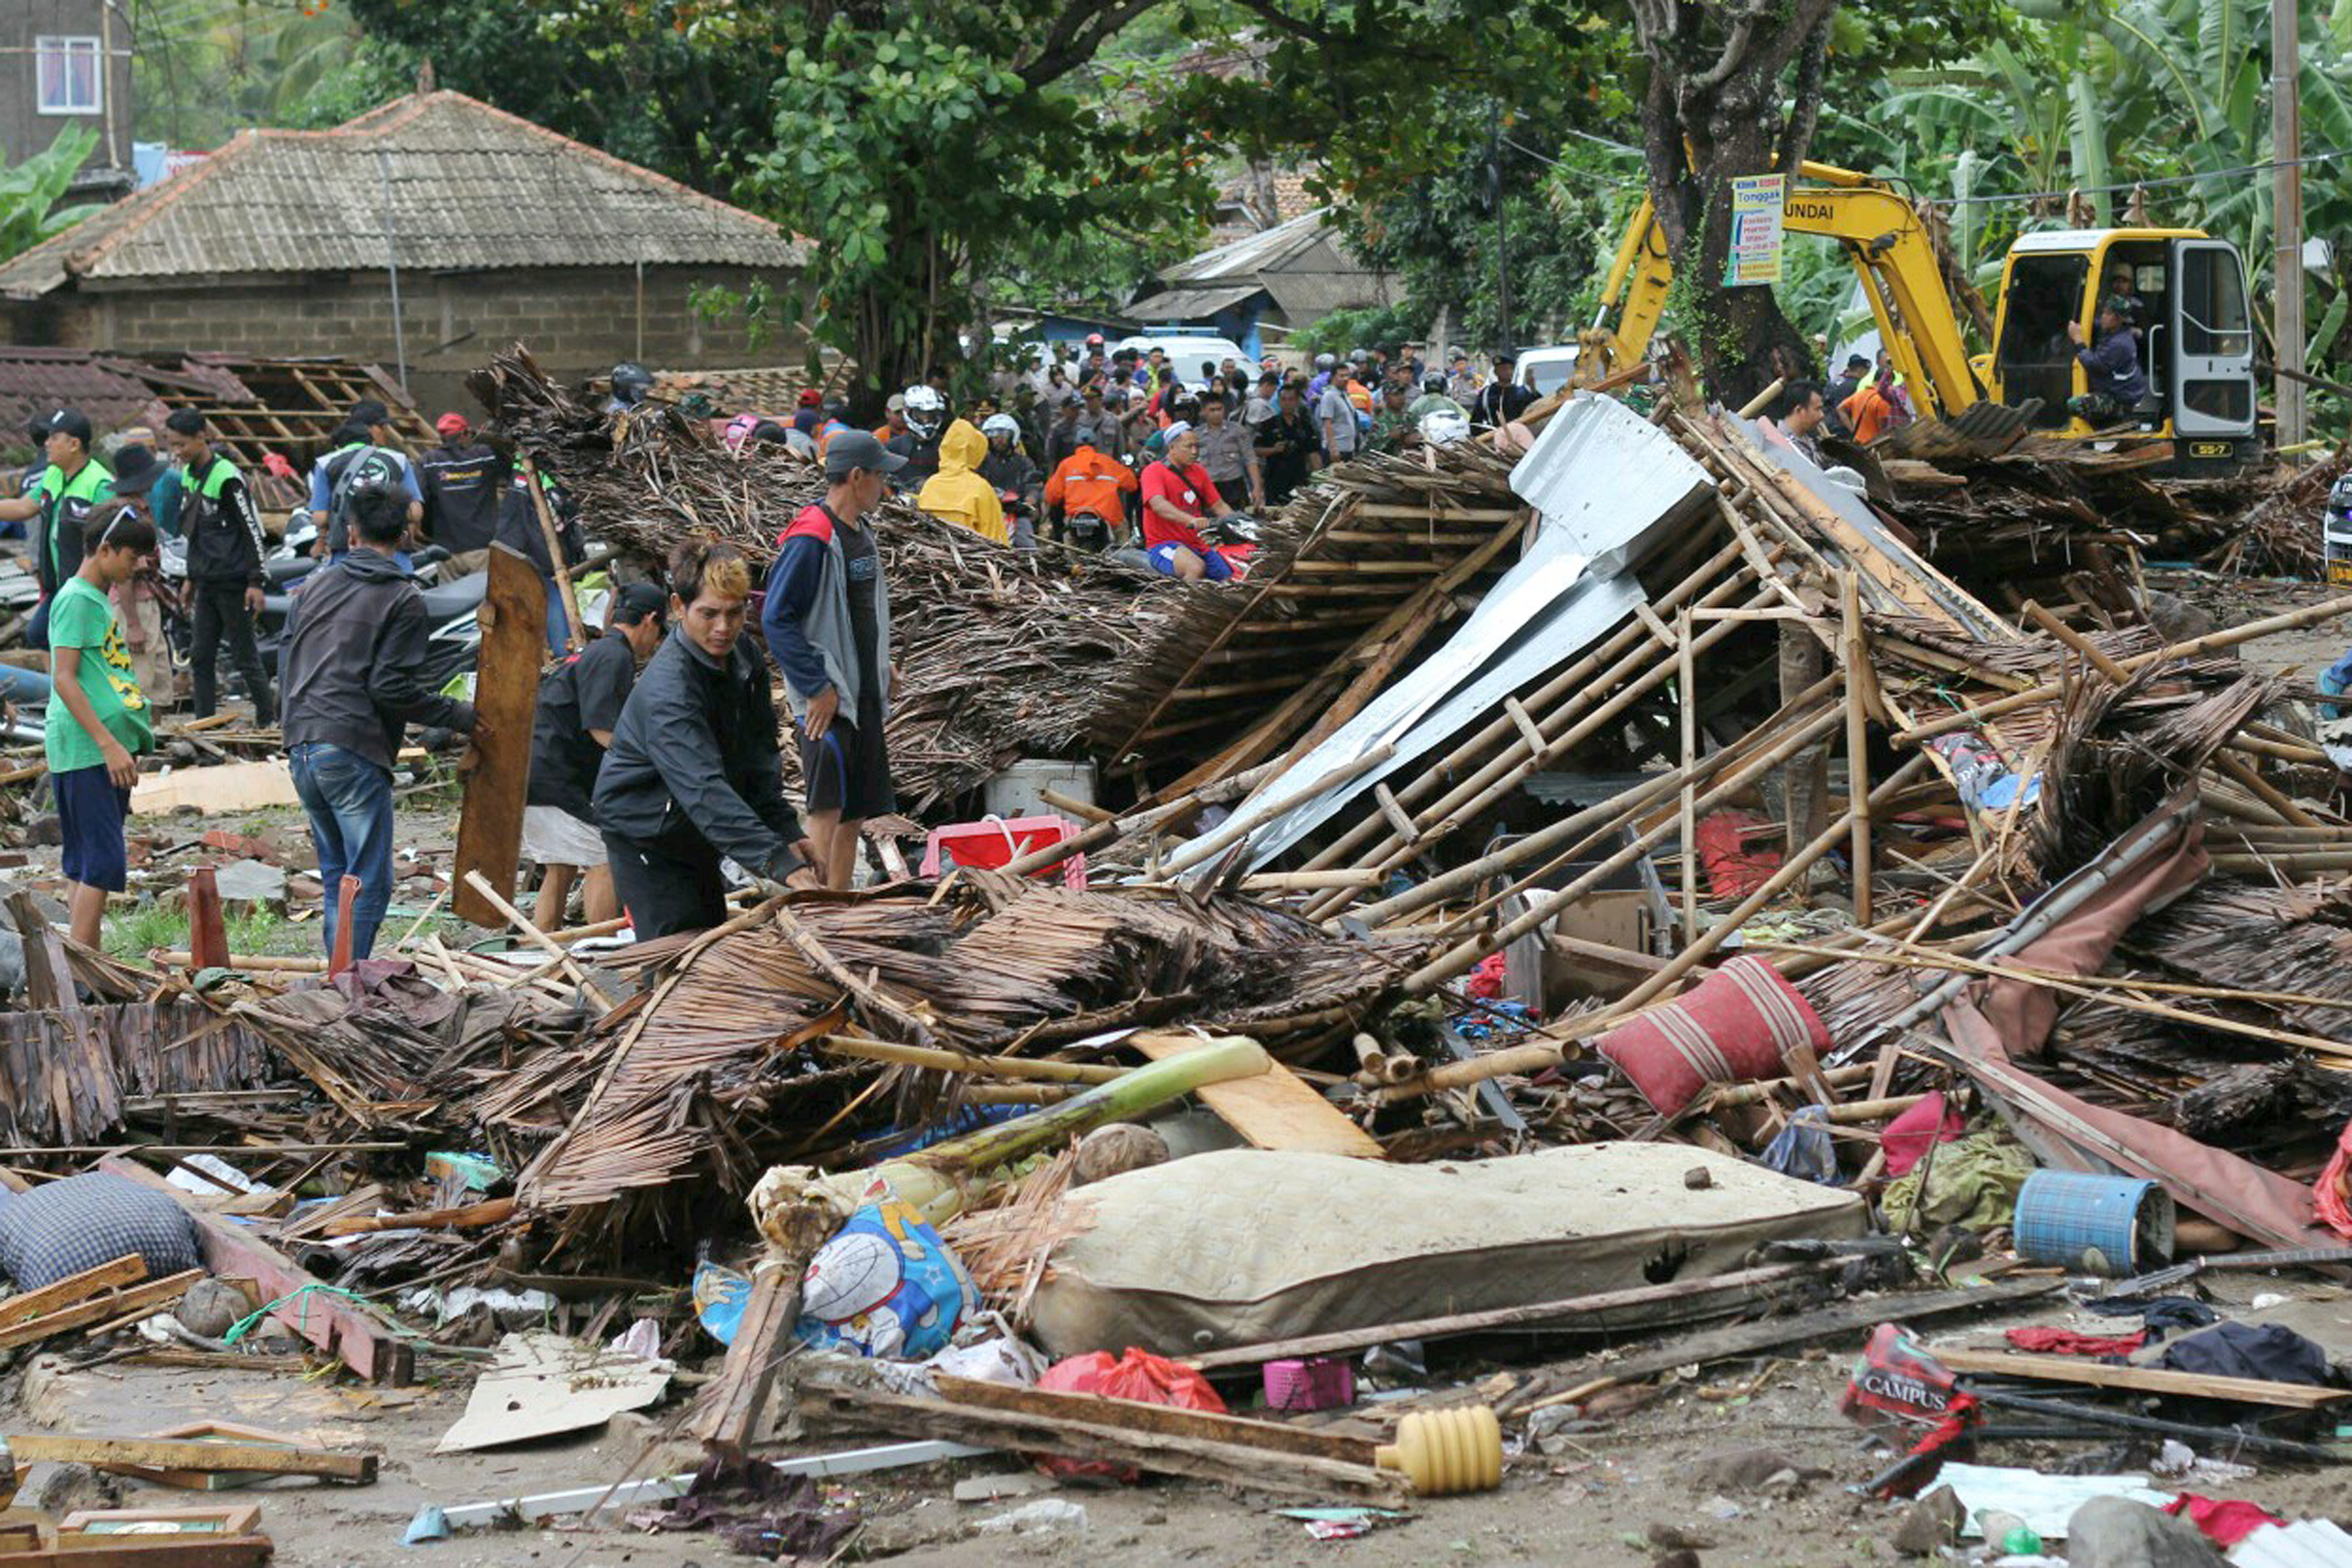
(2286, 222)
(1502, 230)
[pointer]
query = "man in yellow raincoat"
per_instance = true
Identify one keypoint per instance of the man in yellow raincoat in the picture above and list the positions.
(957, 493)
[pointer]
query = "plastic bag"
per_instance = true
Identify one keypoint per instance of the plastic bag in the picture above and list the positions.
(886, 1285)
(1139, 1375)
(1896, 1381)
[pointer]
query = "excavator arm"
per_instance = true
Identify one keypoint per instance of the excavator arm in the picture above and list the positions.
(1892, 258)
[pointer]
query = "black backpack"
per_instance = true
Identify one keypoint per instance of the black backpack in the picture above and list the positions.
(346, 471)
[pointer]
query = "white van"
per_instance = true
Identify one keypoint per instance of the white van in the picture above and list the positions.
(1548, 369)
(1186, 350)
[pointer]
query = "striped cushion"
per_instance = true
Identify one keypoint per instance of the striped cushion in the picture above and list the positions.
(1734, 1026)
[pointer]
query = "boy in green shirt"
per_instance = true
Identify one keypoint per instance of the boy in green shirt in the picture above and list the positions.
(97, 717)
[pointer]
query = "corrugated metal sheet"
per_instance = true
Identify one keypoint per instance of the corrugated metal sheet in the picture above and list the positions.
(466, 187)
(1247, 257)
(1609, 479)
(2308, 1543)
(1190, 304)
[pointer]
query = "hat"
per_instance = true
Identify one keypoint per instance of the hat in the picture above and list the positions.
(1853, 360)
(72, 422)
(370, 411)
(810, 398)
(2123, 305)
(1505, 355)
(1173, 434)
(636, 602)
(1069, 400)
(852, 451)
(135, 470)
(897, 403)
(451, 424)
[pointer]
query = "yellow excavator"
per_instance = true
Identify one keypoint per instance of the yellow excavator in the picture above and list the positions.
(2195, 334)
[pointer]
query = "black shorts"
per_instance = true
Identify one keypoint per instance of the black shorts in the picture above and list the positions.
(848, 770)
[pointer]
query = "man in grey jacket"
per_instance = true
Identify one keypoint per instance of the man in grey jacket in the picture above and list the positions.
(827, 620)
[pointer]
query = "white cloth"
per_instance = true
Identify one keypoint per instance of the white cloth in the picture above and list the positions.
(553, 837)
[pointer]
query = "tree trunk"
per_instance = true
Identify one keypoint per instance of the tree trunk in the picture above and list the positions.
(1717, 108)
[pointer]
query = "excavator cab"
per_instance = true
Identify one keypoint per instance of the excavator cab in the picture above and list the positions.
(2195, 338)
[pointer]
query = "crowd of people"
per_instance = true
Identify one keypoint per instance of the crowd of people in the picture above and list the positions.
(1136, 449)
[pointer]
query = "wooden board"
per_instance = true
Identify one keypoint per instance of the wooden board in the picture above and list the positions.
(128, 1304)
(164, 1453)
(2141, 1379)
(1273, 1110)
(364, 1342)
(1096, 1410)
(232, 786)
(506, 701)
(128, 1270)
(147, 1552)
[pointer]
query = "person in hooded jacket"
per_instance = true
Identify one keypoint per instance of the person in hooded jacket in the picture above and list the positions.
(1009, 471)
(957, 493)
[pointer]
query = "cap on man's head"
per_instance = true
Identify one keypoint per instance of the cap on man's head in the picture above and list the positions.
(451, 424)
(1506, 356)
(810, 398)
(896, 402)
(369, 411)
(2123, 305)
(1856, 361)
(636, 602)
(855, 451)
(1173, 434)
(72, 422)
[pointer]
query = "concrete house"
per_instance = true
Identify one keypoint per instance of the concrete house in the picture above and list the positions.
(67, 62)
(484, 228)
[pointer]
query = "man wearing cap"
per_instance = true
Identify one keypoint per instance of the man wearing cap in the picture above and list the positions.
(1502, 399)
(2118, 384)
(827, 619)
(894, 419)
(62, 496)
(1062, 435)
(1849, 382)
(580, 702)
(1177, 494)
(226, 581)
(1089, 482)
(462, 479)
(809, 412)
(1461, 379)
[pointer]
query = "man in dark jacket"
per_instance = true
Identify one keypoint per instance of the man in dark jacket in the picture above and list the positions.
(2118, 383)
(693, 770)
(580, 702)
(355, 663)
(223, 531)
(462, 480)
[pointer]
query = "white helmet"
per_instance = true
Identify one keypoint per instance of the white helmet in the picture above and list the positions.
(1002, 425)
(927, 411)
(1443, 427)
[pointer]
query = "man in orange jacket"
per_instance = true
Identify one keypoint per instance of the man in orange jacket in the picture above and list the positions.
(1089, 482)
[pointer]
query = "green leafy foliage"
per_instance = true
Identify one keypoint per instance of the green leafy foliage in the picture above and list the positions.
(30, 192)
(204, 69)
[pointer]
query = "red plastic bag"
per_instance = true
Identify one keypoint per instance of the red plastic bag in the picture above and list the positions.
(1139, 1376)
(2333, 1192)
(1896, 1383)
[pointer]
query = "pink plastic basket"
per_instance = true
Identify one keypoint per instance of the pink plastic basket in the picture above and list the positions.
(1321, 1383)
(994, 841)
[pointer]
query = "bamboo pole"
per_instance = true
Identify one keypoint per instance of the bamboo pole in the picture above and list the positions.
(1038, 1068)
(1574, 679)
(538, 938)
(1594, 824)
(2292, 620)
(1090, 839)
(576, 634)
(1688, 691)
(1502, 774)
(1245, 819)
(172, 958)
(1857, 742)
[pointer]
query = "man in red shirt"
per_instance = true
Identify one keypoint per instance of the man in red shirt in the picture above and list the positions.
(1177, 493)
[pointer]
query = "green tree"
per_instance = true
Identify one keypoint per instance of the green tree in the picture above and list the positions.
(30, 192)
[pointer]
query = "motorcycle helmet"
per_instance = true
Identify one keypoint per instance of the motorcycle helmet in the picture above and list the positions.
(2340, 500)
(1443, 427)
(630, 383)
(1002, 425)
(927, 412)
(1327, 362)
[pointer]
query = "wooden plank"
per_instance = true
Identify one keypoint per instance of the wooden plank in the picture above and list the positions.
(187, 1454)
(1780, 1333)
(128, 1270)
(505, 703)
(1560, 1314)
(135, 1302)
(147, 1552)
(231, 786)
(362, 1342)
(1168, 1453)
(732, 1410)
(1093, 1408)
(1273, 1110)
(2139, 1379)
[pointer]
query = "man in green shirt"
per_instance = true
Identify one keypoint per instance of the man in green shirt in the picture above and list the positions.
(1433, 399)
(72, 487)
(97, 717)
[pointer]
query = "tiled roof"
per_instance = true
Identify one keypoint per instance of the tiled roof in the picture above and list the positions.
(38, 381)
(469, 186)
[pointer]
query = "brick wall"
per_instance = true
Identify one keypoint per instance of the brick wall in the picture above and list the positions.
(577, 321)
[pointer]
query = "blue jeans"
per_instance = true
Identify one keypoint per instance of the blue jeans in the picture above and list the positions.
(559, 623)
(348, 801)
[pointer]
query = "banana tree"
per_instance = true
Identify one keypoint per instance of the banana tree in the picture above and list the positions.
(30, 192)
